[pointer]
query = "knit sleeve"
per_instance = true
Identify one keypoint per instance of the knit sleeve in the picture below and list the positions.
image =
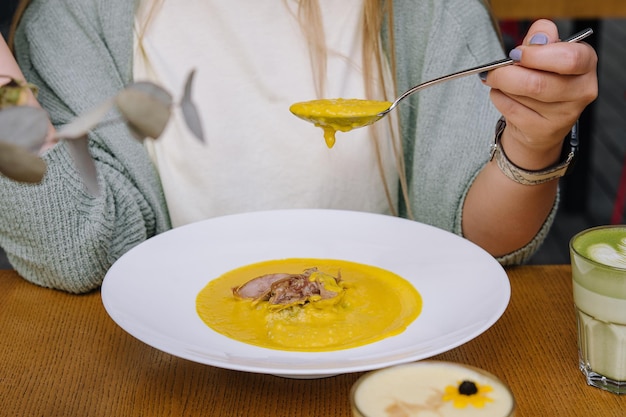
(55, 233)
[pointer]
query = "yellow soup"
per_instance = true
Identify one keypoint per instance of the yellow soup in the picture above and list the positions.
(339, 114)
(375, 304)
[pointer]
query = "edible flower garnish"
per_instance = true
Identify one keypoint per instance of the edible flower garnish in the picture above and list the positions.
(466, 393)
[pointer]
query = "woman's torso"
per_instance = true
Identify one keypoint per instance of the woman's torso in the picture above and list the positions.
(251, 63)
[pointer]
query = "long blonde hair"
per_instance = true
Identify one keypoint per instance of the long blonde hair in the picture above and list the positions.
(17, 16)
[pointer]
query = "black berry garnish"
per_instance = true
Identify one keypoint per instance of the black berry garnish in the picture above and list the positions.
(467, 388)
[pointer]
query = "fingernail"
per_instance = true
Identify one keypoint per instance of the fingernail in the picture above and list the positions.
(516, 54)
(539, 39)
(483, 75)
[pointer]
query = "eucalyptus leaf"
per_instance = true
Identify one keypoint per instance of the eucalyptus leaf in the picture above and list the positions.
(190, 112)
(24, 126)
(84, 163)
(21, 165)
(140, 136)
(146, 108)
(82, 124)
(153, 90)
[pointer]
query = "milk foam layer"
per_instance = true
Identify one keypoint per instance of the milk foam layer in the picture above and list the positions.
(606, 245)
(599, 260)
(609, 255)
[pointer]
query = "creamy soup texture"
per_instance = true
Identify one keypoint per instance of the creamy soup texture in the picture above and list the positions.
(374, 304)
(339, 114)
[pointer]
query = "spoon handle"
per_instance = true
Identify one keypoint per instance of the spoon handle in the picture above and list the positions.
(481, 68)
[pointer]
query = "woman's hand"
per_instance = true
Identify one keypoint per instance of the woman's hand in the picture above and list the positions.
(543, 95)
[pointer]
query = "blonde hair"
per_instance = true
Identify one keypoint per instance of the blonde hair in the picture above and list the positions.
(17, 16)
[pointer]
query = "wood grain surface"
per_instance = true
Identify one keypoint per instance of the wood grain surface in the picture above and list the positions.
(61, 355)
(574, 9)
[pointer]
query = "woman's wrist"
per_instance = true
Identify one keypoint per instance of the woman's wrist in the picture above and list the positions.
(551, 167)
(528, 157)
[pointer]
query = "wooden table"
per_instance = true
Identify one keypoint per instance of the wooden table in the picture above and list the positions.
(570, 9)
(61, 355)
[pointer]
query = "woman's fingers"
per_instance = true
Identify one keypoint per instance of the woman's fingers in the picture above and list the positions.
(542, 27)
(560, 58)
(542, 86)
(537, 120)
(551, 83)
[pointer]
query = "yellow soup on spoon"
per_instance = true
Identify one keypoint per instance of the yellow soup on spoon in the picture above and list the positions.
(371, 304)
(339, 114)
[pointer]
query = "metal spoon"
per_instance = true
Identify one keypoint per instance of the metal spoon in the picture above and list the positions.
(339, 114)
(481, 68)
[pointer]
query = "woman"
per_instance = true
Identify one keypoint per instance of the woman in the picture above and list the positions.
(251, 64)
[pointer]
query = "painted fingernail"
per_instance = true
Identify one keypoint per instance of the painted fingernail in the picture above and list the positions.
(483, 75)
(539, 39)
(516, 54)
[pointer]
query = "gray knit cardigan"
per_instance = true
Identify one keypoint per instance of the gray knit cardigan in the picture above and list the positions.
(79, 52)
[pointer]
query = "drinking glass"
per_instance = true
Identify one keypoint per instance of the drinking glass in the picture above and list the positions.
(598, 258)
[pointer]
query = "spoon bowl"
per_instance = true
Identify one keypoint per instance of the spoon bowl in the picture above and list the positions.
(340, 114)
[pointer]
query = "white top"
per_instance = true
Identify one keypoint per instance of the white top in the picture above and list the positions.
(251, 64)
